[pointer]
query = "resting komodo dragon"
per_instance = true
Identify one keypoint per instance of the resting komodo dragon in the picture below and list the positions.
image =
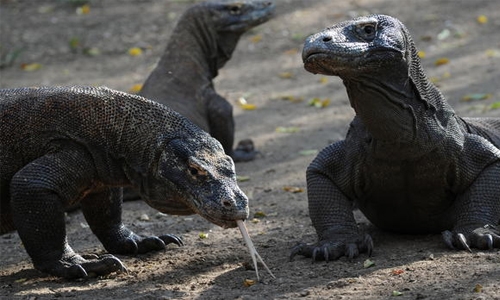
(65, 145)
(201, 43)
(408, 161)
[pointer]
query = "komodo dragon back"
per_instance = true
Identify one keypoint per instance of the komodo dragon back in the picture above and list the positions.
(62, 146)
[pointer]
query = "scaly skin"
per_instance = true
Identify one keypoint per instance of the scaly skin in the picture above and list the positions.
(63, 146)
(201, 43)
(409, 163)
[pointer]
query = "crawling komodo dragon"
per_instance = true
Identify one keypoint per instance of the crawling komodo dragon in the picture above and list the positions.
(408, 162)
(65, 145)
(201, 43)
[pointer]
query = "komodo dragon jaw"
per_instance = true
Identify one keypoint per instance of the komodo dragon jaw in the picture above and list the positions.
(351, 48)
(204, 179)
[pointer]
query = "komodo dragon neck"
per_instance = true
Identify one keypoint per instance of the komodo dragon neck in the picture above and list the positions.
(191, 59)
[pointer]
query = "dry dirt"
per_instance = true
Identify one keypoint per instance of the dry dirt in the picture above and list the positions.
(419, 267)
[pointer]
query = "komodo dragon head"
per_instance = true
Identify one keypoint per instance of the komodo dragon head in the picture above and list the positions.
(376, 48)
(192, 174)
(358, 46)
(378, 62)
(221, 23)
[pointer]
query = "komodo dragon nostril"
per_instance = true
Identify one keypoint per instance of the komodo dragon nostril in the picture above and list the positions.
(327, 39)
(226, 203)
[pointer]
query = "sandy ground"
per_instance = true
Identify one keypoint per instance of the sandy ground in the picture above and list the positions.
(267, 71)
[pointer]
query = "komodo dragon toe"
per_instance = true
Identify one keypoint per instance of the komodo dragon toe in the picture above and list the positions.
(73, 266)
(333, 249)
(485, 238)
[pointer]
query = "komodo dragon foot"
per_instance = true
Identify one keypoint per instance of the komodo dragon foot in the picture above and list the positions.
(333, 249)
(244, 151)
(134, 244)
(73, 266)
(486, 237)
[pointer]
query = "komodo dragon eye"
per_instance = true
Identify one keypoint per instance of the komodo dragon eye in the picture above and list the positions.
(196, 170)
(235, 9)
(366, 31)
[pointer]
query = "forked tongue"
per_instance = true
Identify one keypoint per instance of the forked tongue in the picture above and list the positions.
(251, 248)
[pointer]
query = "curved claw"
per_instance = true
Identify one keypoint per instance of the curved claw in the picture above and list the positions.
(463, 242)
(368, 241)
(170, 238)
(486, 237)
(106, 264)
(330, 250)
(74, 272)
(448, 239)
(297, 250)
(148, 244)
(489, 241)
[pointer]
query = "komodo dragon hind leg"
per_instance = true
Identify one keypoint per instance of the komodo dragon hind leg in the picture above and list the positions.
(39, 193)
(103, 211)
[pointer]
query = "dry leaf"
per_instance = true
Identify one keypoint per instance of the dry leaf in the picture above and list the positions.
(249, 282)
(292, 51)
(495, 105)
(31, 67)
(92, 51)
(308, 152)
(319, 103)
(478, 288)
(368, 263)
(482, 19)
(492, 53)
(203, 235)
(83, 10)
(421, 54)
(256, 38)
(245, 105)
(135, 51)
(259, 214)
(476, 96)
(293, 189)
(242, 178)
(292, 129)
(286, 75)
(323, 80)
(292, 98)
(397, 272)
(136, 88)
(441, 61)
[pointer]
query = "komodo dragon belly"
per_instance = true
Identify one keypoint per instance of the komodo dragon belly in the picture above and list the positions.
(408, 197)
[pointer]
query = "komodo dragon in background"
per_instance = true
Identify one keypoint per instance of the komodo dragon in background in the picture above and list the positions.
(201, 43)
(65, 145)
(408, 162)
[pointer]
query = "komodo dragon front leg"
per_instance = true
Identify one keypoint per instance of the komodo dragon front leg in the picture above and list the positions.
(39, 194)
(331, 211)
(477, 211)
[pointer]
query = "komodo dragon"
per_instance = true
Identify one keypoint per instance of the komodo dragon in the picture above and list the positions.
(408, 162)
(201, 43)
(65, 145)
